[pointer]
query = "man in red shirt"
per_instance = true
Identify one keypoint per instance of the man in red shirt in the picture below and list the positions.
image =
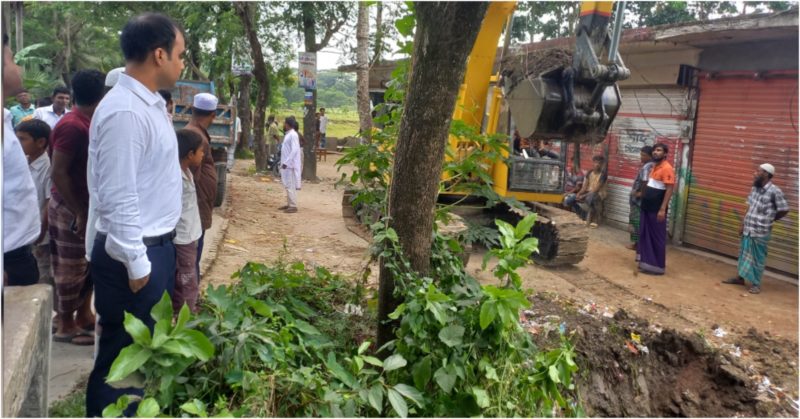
(67, 212)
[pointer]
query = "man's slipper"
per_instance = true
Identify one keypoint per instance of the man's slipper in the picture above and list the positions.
(754, 290)
(80, 338)
(734, 281)
(283, 208)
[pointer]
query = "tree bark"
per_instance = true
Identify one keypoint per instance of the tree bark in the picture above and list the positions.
(18, 17)
(362, 72)
(247, 13)
(444, 37)
(243, 109)
(310, 40)
(378, 51)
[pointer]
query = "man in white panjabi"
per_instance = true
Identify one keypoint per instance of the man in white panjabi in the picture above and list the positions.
(291, 163)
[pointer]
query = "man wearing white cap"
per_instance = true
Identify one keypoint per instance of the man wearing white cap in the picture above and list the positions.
(204, 110)
(765, 205)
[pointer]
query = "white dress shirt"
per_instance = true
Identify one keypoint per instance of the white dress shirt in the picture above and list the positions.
(46, 114)
(323, 124)
(134, 173)
(291, 156)
(21, 223)
(189, 228)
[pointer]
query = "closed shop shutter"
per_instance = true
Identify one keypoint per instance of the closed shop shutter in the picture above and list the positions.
(648, 116)
(742, 123)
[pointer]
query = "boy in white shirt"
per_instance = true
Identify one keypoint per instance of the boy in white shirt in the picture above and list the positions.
(34, 136)
(188, 230)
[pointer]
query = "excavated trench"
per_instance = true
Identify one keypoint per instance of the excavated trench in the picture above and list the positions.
(666, 374)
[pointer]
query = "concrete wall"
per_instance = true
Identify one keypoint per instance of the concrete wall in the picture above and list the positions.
(751, 56)
(659, 67)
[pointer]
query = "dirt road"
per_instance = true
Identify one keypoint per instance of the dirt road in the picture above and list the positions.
(688, 299)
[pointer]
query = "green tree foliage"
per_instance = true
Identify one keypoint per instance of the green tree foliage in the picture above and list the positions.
(334, 90)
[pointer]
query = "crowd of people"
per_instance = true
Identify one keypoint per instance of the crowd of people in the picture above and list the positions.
(101, 195)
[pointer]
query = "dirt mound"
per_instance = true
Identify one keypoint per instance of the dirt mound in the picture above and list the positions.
(516, 67)
(632, 368)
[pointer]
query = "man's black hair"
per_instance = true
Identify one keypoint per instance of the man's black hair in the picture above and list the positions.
(322, 109)
(292, 122)
(145, 33)
(663, 147)
(769, 175)
(88, 87)
(648, 149)
(36, 128)
(166, 94)
(60, 90)
(598, 158)
(188, 140)
(202, 112)
(23, 90)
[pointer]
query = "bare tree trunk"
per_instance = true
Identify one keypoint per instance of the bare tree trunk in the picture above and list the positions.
(378, 51)
(362, 72)
(247, 13)
(444, 37)
(18, 15)
(243, 109)
(310, 40)
(7, 19)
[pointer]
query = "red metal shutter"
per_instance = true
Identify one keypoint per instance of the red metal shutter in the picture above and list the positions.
(742, 123)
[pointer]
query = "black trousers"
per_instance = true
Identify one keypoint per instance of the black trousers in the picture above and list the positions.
(21, 266)
(113, 297)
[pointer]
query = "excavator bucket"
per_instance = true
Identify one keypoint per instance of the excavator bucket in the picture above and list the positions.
(553, 105)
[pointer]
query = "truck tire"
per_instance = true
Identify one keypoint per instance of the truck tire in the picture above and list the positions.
(222, 174)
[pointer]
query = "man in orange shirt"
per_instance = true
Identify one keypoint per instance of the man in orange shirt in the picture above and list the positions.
(652, 249)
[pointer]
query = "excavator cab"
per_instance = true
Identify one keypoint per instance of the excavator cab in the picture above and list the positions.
(553, 98)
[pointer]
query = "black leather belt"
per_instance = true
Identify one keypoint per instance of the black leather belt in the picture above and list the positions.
(148, 241)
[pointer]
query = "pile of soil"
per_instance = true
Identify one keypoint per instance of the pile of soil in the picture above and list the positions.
(516, 67)
(666, 373)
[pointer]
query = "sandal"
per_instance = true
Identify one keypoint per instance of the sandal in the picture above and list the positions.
(734, 281)
(283, 208)
(79, 338)
(755, 289)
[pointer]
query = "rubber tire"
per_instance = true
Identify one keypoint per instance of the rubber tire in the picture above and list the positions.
(222, 175)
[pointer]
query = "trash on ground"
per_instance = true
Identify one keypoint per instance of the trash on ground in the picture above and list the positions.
(631, 348)
(718, 332)
(636, 338)
(237, 248)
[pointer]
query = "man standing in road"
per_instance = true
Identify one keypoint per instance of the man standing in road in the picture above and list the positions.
(636, 194)
(291, 168)
(323, 127)
(273, 136)
(765, 205)
(68, 212)
(53, 113)
(651, 252)
(23, 108)
(204, 110)
(21, 223)
(136, 177)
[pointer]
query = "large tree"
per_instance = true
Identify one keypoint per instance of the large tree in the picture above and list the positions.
(444, 37)
(313, 18)
(362, 72)
(248, 13)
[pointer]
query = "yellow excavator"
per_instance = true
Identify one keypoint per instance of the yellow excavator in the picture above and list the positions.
(573, 103)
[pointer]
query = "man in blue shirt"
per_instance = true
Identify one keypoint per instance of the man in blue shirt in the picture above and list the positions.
(23, 109)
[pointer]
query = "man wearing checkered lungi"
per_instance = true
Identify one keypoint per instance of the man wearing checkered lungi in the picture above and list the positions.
(765, 205)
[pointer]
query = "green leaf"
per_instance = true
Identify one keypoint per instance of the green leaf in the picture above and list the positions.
(391, 235)
(452, 335)
(194, 407)
(445, 378)
(405, 25)
(375, 398)
(137, 329)
(129, 360)
(373, 361)
(162, 309)
(488, 313)
(394, 362)
(481, 397)
(339, 372)
(306, 327)
(363, 347)
(410, 393)
(398, 403)
(398, 312)
(261, 308)
(200, 346)
(422, 372)
(161, 332)
(177, 347)
(553, 373)
(148, 408)
(524, 226)
(116, 409)
(183, 317)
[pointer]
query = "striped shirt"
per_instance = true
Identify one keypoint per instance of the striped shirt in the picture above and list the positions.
(762, 206)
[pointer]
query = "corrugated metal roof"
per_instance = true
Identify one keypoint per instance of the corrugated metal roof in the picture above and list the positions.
(741, 124)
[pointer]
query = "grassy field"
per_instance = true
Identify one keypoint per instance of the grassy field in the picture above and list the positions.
(341, 122)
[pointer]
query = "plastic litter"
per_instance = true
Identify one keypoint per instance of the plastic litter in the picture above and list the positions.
(737, 352)
(562, 328)
(631, 348)
(353, 309)
(718, 332)
(636, 338)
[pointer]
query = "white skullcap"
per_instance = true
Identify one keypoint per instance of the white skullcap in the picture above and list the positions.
(205, 102)
(113, 76)
(768, 168)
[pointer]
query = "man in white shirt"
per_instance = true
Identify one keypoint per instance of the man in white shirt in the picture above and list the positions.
(21, 224)
(237, 129)
(53, 113)
(135, 176)
(291, 168)
(323, 127)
